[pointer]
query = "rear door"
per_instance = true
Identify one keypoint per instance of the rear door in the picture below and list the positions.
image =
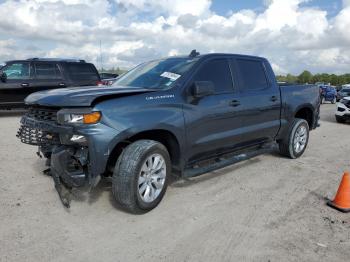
(259, 99)
(82, 74)
(47, 75)
(18, 83)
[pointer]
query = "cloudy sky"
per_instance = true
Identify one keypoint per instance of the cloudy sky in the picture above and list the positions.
(293, 34)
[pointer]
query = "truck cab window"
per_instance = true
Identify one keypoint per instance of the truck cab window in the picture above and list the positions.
(252, 75)
(218, 72)
(17, 71)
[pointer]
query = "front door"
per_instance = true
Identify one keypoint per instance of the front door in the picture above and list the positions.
(18, 82)
(210, 120)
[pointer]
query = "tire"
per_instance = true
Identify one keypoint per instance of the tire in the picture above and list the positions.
(340, 119)
(286, 145)
(128, 173)
(334, 100)
(322, 100)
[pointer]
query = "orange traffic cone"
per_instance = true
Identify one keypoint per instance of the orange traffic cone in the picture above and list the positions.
(342, 198)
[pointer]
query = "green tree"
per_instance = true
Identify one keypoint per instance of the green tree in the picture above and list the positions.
(334, 80)
(305, 77)
(291, 79)
(281, 78)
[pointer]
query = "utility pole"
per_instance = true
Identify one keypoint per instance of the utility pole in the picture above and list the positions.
(101, 65)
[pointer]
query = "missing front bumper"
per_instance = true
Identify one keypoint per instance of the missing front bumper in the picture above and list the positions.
(68, 170)
(69, 164)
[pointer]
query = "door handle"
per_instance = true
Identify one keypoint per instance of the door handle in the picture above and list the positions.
(24, 85)
(235, 103)
(273, 98)
(61, 84)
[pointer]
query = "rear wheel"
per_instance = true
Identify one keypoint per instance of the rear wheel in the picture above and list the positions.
(295, 144)
(141, 175)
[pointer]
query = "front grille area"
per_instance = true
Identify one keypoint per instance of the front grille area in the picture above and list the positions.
(43, 114)
(34, 134)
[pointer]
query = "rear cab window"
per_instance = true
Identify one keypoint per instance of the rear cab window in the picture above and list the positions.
(82, 71)
(252, 74)
(218, 72)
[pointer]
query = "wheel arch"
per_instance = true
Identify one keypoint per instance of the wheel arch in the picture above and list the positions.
(163, 136)
(305, 112)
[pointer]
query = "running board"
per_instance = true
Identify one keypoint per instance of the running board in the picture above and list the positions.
(224, 162)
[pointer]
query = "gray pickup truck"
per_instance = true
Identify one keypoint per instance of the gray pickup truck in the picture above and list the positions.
(184, 115)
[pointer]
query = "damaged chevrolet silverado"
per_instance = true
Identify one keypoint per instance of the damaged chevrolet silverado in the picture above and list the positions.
(184, 115)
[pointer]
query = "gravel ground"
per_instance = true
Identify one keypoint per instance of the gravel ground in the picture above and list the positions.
(268, 208)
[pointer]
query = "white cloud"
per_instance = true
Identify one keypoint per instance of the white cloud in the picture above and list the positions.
(346, 3)
(292, 37)
(171, 7)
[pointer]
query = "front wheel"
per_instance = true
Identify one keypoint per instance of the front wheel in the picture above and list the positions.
(141, 175)
(294, 145)
(340, 119)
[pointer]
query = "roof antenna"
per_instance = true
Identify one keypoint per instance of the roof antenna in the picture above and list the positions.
(194, 53)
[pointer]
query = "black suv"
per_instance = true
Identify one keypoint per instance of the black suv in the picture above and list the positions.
(19, 78)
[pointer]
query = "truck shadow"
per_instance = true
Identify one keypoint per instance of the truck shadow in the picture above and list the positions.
(93, 195)
(185, 182)
(105, 186)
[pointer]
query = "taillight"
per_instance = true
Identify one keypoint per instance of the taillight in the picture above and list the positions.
(100, 83)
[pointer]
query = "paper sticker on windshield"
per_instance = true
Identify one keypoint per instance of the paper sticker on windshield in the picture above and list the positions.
(171, 76)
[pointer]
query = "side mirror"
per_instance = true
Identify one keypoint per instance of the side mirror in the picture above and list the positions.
(3, 77)
(203, 88)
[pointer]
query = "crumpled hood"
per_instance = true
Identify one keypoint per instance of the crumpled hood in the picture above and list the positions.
(79, 96)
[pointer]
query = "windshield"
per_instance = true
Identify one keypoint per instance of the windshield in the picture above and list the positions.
(347, 90)
(157, 74)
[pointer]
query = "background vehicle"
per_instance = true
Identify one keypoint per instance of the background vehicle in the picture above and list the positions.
(19, 78)
(108, 75)
(342, 113)
(338, 88)
(183, 115)
(328, 93)
(109, 81)
(344, 92)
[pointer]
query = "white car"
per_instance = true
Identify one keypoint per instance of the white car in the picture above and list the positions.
(342, 112)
